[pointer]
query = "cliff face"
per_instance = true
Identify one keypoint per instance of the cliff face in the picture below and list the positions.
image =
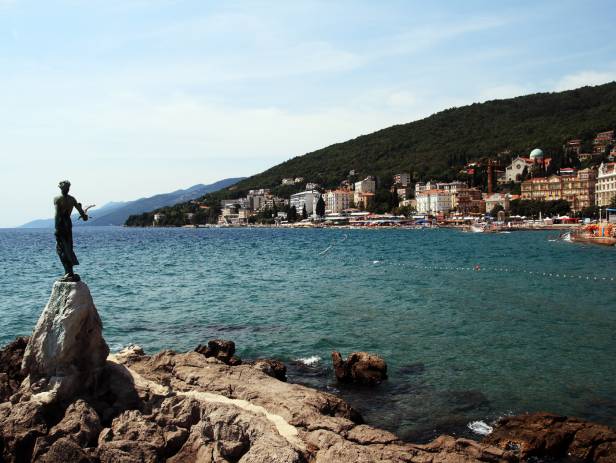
(184, 407)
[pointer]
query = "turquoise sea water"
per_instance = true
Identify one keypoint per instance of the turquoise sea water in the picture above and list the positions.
(461, 344)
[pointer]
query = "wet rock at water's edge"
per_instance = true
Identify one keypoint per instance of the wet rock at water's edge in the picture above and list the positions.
(220, 349)
(271, 367)
(544, 435)
(359, 367)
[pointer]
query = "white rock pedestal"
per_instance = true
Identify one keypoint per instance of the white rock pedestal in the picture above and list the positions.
(66, 349)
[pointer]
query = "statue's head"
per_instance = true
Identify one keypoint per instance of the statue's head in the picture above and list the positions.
(64, 186)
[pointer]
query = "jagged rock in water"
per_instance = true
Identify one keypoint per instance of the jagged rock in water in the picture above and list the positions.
(359, 367)
(221, 349)
(66, 349)
(541, 435)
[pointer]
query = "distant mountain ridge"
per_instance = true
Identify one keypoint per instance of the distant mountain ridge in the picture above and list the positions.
(116, 213)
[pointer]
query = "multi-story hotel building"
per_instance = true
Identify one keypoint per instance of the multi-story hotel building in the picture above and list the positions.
(433, 201)
(606, 184)
(364, 192)
(402, 179)
(305, 198)
(337, 201)
(578, 189)
(602, 141)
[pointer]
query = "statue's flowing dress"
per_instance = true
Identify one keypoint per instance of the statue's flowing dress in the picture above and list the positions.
(64, 237)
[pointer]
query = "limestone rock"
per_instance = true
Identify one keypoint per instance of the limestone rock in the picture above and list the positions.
(187, 407)
(547, 435)
(133, 427)
(66, 347)
(221, 349)
(66, 450)
(20, 426)
(274, 368)
(11, 376)
(81, 422)
(359, 367)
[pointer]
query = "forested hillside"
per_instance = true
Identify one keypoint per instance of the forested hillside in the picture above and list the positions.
(435, 147)
(438, 146)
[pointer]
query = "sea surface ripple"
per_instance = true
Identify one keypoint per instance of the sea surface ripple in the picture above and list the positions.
(533, 329)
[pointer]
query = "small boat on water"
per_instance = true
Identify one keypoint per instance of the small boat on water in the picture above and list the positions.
(600, 233)
(479, 227)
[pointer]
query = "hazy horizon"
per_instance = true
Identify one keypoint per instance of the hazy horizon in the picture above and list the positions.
(131, 99)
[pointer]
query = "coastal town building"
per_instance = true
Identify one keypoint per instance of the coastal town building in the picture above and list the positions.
(498, 199)
(603, 140)
(256, 202)
(589, 156)
(425, 186)
(312, 186)
(288, 181)
(232, 215)
(364, 192)
(573, 147)
(468, 201)
(533, 165)
(578, 190)
(515, 170)
(238, 202)
(274, 201)
(433, 201)
(306, 198)
(402, 180)
(158, 218)
(337, 201)
(404, 193)
(606, 184)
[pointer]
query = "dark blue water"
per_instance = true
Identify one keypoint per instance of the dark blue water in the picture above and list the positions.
(461, 344)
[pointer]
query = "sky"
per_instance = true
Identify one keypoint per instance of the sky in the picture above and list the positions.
(130, 98)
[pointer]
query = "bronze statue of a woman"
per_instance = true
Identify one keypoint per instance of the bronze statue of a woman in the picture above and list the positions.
(64, 230)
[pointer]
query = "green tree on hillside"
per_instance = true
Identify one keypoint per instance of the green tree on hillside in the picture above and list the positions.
(304, 213)
(320, 207)
(292, 215)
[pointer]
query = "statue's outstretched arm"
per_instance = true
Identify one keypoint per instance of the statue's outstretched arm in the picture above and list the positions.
(82, 213)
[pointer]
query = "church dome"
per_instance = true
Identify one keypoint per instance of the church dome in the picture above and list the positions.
(536, 154)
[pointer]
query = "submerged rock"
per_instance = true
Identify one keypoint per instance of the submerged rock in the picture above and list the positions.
(359, 367)
(66, 349)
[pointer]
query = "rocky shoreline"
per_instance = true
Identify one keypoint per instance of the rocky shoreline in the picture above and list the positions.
(64, 399)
